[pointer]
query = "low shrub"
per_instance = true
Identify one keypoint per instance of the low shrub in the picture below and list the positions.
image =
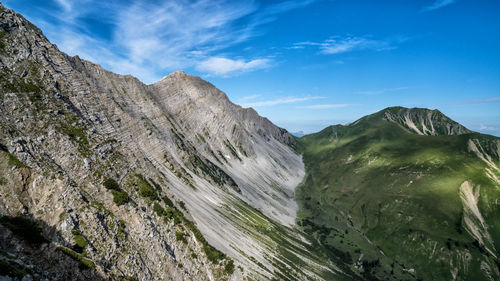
(229, 267)
(167, 201)
(145, 189)
(80, 242)
(181, 236)
(111, 184)
(84, 262)
(159, 210)
(120, 197)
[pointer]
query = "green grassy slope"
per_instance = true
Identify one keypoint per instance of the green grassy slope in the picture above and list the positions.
(374, 190)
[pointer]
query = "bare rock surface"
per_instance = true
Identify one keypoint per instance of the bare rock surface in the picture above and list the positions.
(178, 149)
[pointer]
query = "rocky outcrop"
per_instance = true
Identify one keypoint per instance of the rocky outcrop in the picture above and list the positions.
(202, 185)
(423, 121)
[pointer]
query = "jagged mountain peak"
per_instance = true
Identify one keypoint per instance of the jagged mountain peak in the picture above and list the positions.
(190, 95)
(178, 73)
(424, 121)
(421, 121)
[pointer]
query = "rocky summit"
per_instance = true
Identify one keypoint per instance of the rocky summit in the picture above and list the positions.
(103, 177)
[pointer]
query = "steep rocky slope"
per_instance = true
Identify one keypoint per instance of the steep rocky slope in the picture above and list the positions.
(412, 183)
(162, 181)
(424, 122)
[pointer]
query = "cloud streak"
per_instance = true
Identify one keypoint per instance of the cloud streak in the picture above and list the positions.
(247, 98)
(338, 45)
(325, 106)
(152, 38)
(285, 100)
(219, 66)
(487, 128)
(473, 102)
(438, 4)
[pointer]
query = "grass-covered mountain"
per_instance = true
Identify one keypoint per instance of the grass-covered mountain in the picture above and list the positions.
(404, 187)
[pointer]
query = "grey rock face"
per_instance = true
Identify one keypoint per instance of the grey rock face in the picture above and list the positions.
(73, 124)
(424, 121)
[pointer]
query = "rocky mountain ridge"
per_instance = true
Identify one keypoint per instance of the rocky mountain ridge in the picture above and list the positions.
(178, 150)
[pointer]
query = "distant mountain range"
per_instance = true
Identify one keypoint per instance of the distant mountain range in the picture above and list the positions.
(299, 134)
(105, 178)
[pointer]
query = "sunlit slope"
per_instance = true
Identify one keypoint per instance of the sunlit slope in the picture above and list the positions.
(431, 202)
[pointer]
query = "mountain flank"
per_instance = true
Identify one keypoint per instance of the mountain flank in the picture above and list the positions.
(132, 181)
(416, 184)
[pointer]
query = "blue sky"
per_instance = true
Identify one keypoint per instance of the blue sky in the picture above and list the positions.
(302, 64)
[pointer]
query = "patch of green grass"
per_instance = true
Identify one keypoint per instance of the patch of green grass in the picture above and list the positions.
(158, 209)
(145, 189)
(76, 134)
(217, 175)
(121, 229)
(27, 229)
(84, 262)
(20, 86)
(3, 180)
(80, 242)
(120, 197)
(167, 201)
(13, 161)
(212, 253)
(180, 236)
(62, 216)
(2, 43)
(157, 186)
(201, 138)
(232, 149)
(229, 267)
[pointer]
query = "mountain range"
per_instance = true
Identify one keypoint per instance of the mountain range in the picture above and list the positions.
(103, 177)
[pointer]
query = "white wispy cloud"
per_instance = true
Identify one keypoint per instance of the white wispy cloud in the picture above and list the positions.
(483, 127)
(337, 45)
(279, 101)
(247, 98)
(65, 4)
(224, 67)
(474, 102)
(381, 91)
(487, 100)
(438, 4)
(152, 38)
(325, 106)
(174, 34)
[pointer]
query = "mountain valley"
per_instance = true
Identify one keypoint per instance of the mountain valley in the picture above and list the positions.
(103, 177)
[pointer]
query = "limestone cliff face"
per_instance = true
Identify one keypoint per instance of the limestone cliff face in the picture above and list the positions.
(178, 150)
(253, 151)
